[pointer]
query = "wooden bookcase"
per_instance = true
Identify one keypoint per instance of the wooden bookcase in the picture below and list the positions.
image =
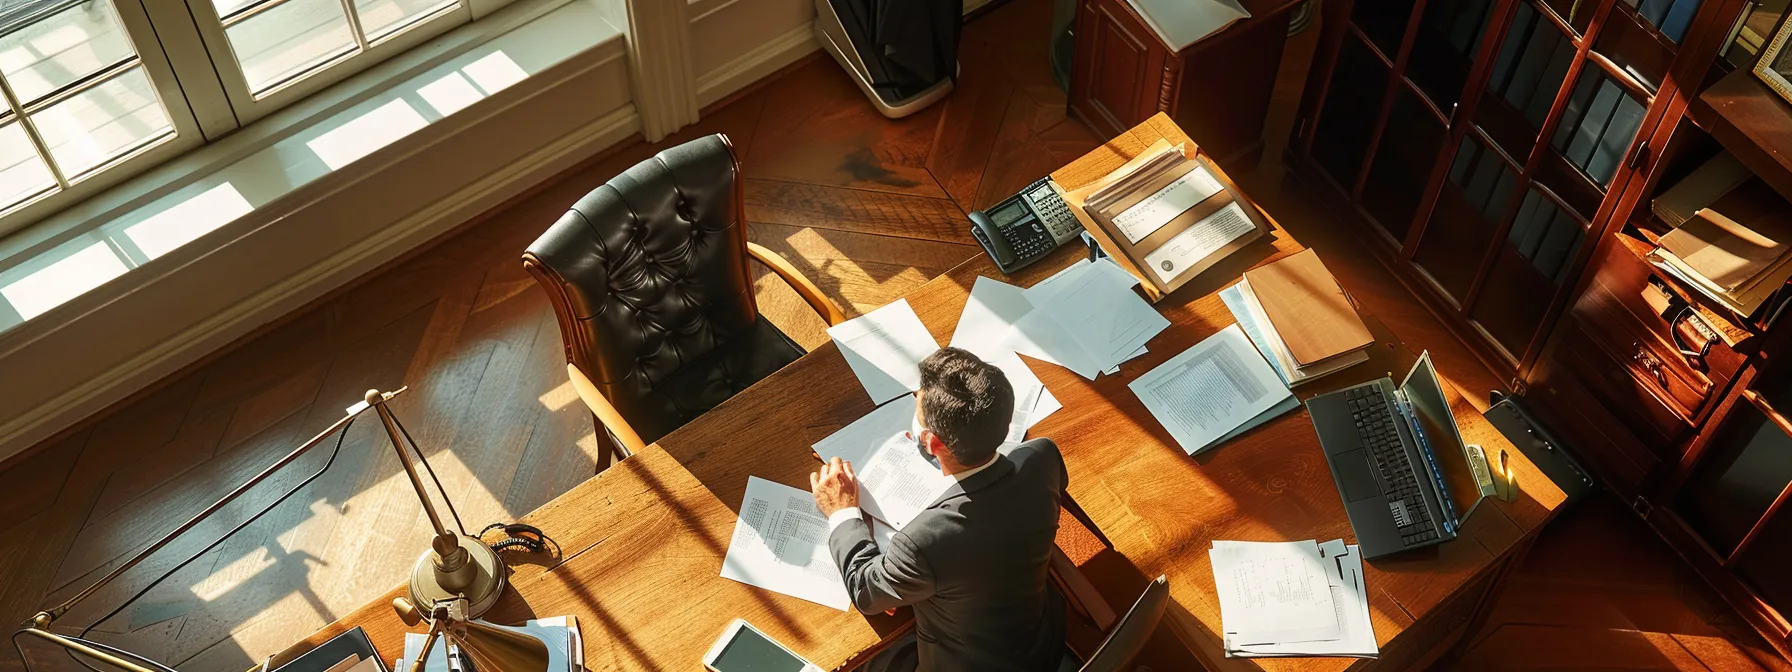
(1501, 157)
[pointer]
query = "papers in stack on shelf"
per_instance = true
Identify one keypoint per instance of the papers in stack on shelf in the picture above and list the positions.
(1295, 313)
(1184, 22)
(1297, 598)
(566, 647)
(884, 348)
(1213, 391)
(1733, 248)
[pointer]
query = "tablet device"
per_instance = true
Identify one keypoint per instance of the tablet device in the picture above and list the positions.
(743, 648)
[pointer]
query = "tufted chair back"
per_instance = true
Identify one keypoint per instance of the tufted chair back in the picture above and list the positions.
(648, 276)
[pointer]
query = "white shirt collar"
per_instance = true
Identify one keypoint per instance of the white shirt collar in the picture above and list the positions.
(960, 476)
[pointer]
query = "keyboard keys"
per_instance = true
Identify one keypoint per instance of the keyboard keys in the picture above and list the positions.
(1374, 422)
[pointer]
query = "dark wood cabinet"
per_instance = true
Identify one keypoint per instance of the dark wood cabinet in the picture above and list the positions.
(1501, 156)
(1217, 89)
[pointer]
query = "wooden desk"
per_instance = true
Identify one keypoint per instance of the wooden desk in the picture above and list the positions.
(643, 542)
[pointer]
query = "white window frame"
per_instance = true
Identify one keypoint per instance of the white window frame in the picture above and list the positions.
(247, 108)
(134, 20)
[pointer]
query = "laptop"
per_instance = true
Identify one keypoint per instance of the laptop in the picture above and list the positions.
(1398, 460)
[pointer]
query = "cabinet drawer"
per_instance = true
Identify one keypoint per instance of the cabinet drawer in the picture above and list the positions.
(1633, 388)
(1624, 280)
(1654, 361)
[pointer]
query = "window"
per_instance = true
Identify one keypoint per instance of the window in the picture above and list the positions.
(270, 52)
(78, 98)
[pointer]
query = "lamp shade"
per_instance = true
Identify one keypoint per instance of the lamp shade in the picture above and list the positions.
(495, 649)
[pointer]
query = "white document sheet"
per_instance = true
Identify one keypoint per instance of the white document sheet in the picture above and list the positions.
(1184, 22)
(1193, 244)
(1272, 593)
(986, 328)
(781, 544)
(1096, 305)
(1210, 389)
(1350, 598)
(884, 348)
(1147, 216)
(896, 482)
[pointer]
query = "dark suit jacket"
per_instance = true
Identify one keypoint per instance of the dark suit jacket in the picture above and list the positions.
(973, 566)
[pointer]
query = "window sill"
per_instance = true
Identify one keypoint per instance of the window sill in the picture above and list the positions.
(99, 249)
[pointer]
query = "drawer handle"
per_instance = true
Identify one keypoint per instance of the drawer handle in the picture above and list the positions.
(1649, 362)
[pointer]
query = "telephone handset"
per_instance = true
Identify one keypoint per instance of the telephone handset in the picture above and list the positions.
(1026, 227)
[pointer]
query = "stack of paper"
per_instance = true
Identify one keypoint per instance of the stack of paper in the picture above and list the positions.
(1086, 318)
(1184, 22)
(1293, 598)
(1213, 391)
(895, 481)
(780, 544)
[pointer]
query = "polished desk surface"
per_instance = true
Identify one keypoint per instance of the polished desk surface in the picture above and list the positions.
(642, 543)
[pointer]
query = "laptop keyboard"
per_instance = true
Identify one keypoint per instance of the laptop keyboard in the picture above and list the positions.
(1369, 407)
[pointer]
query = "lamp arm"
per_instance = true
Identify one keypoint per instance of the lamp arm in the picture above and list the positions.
(94, 650)
(378, 402)
(43, 619)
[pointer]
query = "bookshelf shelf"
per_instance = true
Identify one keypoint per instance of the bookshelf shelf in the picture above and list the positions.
(1753, 123)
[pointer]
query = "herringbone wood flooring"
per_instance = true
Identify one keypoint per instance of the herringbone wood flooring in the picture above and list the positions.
(867, 207)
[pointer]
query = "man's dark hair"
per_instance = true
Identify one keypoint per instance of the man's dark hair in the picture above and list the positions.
(967, 403)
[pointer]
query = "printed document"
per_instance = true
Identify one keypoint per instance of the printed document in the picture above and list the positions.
(895, 482)
(1272, 593)
(1147, 216)
(1344, 572)
(884, 348)
(1096, 305)
(1210, 389)
(1195, 243)
(781, 544)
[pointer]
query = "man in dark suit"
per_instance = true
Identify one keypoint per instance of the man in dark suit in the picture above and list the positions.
(973, 564)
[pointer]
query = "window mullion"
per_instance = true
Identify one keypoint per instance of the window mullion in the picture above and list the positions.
(354, 24)
(37, 141)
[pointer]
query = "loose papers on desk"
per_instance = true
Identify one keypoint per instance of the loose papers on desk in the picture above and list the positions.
(884, 348)
(1094, 303)
(1292, 599)
(896, 482)
(780, 544)
(1213, 390)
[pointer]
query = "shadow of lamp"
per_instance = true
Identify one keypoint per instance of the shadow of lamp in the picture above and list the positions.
(456, 579)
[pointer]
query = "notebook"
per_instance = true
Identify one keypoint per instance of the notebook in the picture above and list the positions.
(1308, 309)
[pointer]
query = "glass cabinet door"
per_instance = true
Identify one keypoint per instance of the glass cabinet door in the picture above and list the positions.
(1736, 497)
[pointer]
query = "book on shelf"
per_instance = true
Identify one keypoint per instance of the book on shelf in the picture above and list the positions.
(1713, 179)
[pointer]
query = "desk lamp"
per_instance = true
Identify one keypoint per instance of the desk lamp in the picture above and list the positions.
(458, 576)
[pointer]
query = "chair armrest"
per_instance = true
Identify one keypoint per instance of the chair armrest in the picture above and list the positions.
(810, 293)
(606, 413)
(1082, 595)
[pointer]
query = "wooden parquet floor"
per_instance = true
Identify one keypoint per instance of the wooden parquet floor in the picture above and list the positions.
(867, 207)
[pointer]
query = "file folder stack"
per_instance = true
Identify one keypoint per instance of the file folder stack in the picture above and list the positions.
(1297, 315)
(1731, 235)
(1296, 598)
(566, 647)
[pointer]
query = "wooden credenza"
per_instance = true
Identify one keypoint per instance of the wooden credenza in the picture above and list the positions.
(1218, 89)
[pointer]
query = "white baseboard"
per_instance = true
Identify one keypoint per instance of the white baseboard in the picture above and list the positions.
(222, 328)
(757, 64)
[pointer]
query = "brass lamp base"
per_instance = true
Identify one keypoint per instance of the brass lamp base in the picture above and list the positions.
(482, 575)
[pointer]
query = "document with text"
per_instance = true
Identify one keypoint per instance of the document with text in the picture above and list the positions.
(895, 482)
(1210, 389)
(884, 348)
(1272, 593)
(1350, 599)
(780, 544)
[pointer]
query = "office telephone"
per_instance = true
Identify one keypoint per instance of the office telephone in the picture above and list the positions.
(1026, 227)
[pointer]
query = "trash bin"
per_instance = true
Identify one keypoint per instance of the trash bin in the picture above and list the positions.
(902, 53)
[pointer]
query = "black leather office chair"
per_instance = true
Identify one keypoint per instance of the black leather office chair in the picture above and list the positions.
(1128, 635)
(648, 276)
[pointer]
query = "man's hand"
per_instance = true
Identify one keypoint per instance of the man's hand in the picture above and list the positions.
(835, 487)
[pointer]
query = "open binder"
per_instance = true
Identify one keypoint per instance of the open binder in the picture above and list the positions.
(1166, 215)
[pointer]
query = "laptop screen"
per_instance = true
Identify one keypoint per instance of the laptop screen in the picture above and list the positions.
(1425, 393)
